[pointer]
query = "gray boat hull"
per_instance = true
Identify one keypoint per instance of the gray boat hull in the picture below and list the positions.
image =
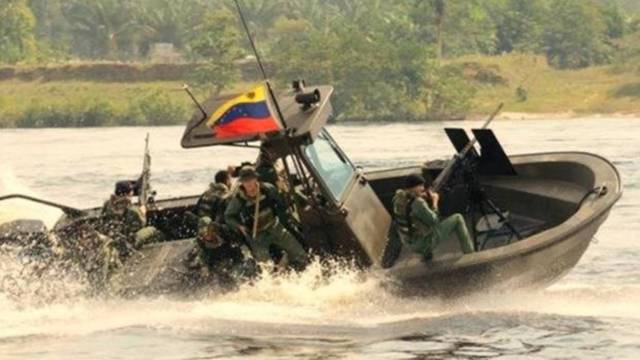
(536, 261)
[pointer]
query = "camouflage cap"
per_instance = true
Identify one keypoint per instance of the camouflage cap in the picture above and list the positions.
(247, 173)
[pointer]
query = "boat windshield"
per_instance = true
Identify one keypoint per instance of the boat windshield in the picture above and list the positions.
(333, 167)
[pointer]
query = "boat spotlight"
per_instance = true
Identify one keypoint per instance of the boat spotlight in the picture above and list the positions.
(308, 99)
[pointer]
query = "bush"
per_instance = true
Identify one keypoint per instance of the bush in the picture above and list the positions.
(40, 116)
(158, 109)
(93, 114)
(450, 96)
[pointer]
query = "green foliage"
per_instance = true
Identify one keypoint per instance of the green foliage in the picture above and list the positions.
(92, 114)
(449, 96)
(217, 44)
(152, 109)
(387, 59)
(376, 78)
(455, 27)
(157, 108)
(105, 29)
(520, 26)
(614, 21)
(17, 23)
(168, 21)
(575, 36)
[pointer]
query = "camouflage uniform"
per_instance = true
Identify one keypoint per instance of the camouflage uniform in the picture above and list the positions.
(219, 253)
(213, 202)
(214, 251)
(125, 224)
(275, 225)
(421, 228)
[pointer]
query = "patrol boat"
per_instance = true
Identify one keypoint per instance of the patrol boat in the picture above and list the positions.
(532, 216)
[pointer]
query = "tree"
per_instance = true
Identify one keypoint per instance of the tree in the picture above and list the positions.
(217, 44)
(51, 28)
(614, 21)
(576, 35)
(169, 21)
(106, 29)
(456, 27)
(379, 71)
(17, 24)
(520, 26)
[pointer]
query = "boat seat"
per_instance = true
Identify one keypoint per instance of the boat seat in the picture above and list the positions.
(561, 190)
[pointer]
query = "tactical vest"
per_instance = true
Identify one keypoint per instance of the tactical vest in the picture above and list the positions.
(402, 202)
(213, 202)
(267, 216)
(119, 218)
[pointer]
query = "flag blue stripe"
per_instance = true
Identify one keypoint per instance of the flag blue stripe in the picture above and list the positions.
(257, 110)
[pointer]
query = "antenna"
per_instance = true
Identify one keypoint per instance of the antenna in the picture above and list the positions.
(264, 74)
(186, 88)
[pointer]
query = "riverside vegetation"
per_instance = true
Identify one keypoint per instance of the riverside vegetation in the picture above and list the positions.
(405, 60)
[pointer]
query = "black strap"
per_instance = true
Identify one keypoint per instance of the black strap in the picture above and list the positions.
(407, 214)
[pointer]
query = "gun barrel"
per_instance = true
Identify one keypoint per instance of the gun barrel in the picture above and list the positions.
(446, 173)
(145, 189)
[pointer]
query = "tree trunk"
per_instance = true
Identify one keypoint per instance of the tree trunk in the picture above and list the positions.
(440, 8)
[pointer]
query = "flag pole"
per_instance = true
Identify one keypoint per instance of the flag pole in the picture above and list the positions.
(257, 55)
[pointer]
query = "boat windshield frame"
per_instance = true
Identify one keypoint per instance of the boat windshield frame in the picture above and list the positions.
(330, 166)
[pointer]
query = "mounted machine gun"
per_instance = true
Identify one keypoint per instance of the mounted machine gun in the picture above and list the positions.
(464, 169)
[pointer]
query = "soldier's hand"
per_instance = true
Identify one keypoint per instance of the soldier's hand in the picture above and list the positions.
(435, 198)
(143, 210)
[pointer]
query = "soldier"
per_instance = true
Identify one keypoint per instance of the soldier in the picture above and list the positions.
(217, 251)
(420, 226)
(214, 201)
(125, 223)
(273, 226)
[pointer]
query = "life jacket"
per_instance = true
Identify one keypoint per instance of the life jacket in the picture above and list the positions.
(214, 201)
(402, 202)
(267, 215)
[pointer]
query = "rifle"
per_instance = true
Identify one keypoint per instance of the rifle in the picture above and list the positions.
(145, 193)
(448, 170)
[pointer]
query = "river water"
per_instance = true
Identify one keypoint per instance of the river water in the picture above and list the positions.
(594, 312)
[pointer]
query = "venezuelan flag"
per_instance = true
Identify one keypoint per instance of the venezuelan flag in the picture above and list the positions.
(244, 115)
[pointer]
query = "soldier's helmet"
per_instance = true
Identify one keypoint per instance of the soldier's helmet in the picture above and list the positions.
(247, 173)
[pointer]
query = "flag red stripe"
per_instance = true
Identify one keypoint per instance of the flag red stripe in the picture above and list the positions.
(245, 126)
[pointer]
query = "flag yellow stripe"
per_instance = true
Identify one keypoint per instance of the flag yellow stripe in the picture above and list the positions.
(258, 94)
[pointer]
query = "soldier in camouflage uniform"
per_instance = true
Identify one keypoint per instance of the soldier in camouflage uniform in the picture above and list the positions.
(420, 226)
(219, 250)
(274, 225)
(213, 202)
(125, 223)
